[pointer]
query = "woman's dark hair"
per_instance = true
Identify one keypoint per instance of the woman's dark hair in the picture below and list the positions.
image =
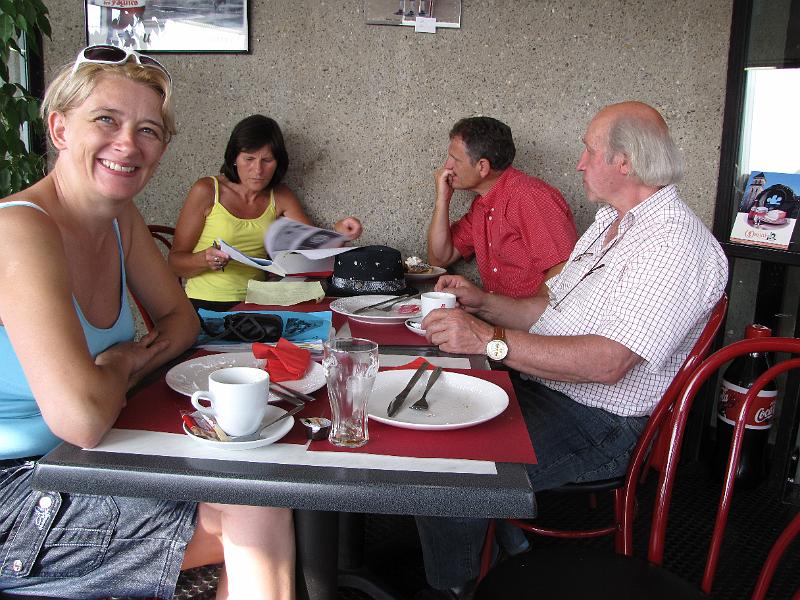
(485, 137)
(250, 134)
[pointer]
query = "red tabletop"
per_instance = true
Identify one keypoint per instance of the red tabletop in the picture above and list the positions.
(502, 439)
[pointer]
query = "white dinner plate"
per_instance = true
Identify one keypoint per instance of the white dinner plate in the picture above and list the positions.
(192, 375)
(433, 274)
(415, 326)
(271, 435)
(455, 401)
(346, 307)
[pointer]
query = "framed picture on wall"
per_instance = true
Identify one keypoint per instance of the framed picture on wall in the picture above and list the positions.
(444, 13)
(169, 25)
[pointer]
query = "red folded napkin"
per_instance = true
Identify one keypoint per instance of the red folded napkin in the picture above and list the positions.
(285, 361)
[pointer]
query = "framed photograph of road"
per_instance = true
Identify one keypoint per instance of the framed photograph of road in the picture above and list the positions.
(169, 25)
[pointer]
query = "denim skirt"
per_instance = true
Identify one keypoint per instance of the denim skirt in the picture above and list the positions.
(82, 546)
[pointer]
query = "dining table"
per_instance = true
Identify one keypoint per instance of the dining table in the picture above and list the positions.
(476, 471)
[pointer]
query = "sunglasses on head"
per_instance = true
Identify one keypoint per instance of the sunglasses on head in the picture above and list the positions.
(114, 55)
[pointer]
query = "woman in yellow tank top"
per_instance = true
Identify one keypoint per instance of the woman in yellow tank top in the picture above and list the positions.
(237, 206)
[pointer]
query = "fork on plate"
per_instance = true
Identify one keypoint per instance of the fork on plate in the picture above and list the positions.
(385, 305)
(422, 403)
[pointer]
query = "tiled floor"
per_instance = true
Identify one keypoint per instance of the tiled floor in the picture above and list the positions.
(393, 554)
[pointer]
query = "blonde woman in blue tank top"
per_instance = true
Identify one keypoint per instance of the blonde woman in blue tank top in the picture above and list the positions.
(68, 357)
(237, 206)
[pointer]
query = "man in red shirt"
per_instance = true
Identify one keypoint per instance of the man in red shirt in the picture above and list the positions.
(519, 228)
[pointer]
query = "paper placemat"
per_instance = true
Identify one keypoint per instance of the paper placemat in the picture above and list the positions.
(156, 407)
(396, 334)
(503, 439)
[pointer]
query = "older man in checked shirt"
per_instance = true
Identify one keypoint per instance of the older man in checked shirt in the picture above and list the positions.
(598, 353)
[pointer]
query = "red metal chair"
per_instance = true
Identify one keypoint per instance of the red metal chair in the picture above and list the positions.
(162, 234)
(774, 557)
(617, 485)
(585, 573)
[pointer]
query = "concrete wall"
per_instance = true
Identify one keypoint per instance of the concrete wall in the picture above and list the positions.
(366, 109)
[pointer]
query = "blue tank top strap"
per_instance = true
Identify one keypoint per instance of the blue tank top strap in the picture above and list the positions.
(11, 203)
(98, 339)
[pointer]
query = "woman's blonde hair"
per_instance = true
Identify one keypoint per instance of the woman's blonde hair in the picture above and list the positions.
(69, 90)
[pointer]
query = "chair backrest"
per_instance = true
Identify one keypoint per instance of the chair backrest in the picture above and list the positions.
(653, 437)
(677, 426)
(774, 557)
(163, 234)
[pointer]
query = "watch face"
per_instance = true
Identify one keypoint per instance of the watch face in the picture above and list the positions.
(496, 350)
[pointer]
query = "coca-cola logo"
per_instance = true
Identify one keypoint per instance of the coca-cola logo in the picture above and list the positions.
(760, 413)
(727, 400)
(764, 415)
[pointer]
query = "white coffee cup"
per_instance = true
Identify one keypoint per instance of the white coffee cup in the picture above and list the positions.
(237, 398)
(433, 300)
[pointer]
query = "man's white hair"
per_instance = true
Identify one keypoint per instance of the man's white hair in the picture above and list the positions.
(653, 155)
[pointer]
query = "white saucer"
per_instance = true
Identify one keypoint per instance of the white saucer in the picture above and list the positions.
(434, 273)
(415, 326)
(269, 436)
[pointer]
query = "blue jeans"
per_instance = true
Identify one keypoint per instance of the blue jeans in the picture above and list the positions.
(573, 443)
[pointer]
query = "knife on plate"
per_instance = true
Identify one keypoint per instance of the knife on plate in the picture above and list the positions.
(397, 403)
(287, 394)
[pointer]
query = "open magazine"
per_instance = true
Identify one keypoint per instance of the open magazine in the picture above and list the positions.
(293, 247)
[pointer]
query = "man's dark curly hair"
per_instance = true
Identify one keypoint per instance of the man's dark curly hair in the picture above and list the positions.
(485, 137)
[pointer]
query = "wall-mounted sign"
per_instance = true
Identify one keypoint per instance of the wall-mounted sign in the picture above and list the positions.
(768, 210)
(169, 25)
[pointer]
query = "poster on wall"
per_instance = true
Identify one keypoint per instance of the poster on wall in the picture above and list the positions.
(768, 210)
(169, 25)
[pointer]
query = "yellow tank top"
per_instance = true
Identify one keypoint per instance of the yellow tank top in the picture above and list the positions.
(247, 235)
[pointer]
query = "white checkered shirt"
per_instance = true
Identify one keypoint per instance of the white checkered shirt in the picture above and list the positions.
(659, 280)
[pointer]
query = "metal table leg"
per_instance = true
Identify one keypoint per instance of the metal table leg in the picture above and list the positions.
(317, 535)
(352, 572)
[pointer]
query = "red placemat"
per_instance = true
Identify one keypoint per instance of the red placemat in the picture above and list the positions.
(156, 407)
(395, 334)
(502, 439)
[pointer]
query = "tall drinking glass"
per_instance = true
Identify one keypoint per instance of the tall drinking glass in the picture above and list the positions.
(350, 365)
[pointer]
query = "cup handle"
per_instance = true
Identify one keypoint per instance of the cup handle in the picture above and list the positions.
(204, 395)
